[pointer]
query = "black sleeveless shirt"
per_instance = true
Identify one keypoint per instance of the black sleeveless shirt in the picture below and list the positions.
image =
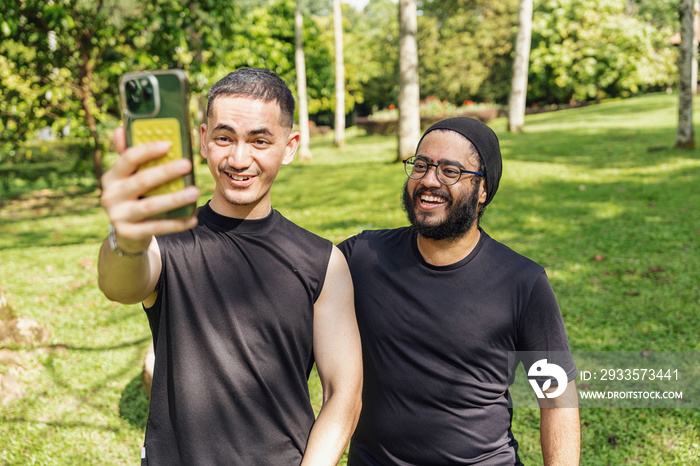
(233, 331)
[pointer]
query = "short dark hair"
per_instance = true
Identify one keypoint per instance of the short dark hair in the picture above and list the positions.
(256, 83)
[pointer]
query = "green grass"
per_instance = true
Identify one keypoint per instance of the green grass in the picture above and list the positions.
(615, 225)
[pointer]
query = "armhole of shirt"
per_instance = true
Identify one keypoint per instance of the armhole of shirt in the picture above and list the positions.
(154, 312)
(346, 246)
(322, 278)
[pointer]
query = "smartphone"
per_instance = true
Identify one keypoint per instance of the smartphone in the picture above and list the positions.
(155, 106)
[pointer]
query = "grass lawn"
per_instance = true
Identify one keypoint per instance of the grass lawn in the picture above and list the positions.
(615, 224)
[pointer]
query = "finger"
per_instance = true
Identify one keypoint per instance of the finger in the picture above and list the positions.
(120, 139)
(135, 211)
(140, 183)
(137, 236)
(117, 191)
(149, 228)
(133, 157)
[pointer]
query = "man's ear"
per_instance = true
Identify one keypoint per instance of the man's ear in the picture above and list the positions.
(482, 191)
(291, 149)
(203, 140)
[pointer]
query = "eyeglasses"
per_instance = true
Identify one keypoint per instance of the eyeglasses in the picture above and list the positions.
(447, 172)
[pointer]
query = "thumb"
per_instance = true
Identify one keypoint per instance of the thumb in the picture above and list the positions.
(120, 139)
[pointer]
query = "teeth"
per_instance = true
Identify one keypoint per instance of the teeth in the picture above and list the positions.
(426, 198)
(238, 178)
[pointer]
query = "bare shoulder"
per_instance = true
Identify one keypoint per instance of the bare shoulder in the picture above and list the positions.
(338, 273)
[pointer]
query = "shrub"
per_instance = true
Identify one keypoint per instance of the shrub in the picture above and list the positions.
(50, 161)
(431, 110)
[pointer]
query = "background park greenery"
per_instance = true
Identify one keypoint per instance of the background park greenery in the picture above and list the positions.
(60, 60)
(596, 194)
(614, 223)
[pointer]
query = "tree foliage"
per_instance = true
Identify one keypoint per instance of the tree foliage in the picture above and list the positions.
(372, 55)
(254, 33)
(660, 13)
(60, 60)
(591, 49)
(466, 49)
(581, 49)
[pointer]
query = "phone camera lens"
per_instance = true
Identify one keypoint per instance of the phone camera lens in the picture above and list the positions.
(141, 96)
(133, 95)
(131, 86)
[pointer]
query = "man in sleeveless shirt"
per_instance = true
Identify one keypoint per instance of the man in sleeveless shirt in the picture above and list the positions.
(440, 306)
(241, 302)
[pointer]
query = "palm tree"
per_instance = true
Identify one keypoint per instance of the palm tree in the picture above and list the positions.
(339, 75)
(694, 60)
(409, 93)
(685, 138)
(304, 151)
(518, 89)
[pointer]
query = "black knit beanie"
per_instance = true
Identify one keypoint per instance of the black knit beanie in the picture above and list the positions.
(486, 143)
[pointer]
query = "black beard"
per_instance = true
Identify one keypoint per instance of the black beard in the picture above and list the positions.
(461, 214)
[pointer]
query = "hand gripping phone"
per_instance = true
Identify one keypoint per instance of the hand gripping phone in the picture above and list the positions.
(155, 106)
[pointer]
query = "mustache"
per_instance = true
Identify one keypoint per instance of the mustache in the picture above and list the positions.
(225, 167)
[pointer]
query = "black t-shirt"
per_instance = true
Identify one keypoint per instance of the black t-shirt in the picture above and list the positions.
(232, 328)
(435, 348)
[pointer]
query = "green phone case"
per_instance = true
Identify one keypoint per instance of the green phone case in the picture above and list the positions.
(156, 108)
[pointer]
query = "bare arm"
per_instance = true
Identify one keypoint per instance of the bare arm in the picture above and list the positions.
(560, 430)
(132, 279)
(339, 362)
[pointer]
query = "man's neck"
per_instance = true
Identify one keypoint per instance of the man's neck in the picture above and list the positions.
(254, 211)
(441, 252)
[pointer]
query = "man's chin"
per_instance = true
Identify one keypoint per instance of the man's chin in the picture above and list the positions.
(427, 218)
(237, 198)
(426, 222)
(432, 225)
(240, 202)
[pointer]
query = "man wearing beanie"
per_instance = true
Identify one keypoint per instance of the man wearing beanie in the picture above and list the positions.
(441, 306)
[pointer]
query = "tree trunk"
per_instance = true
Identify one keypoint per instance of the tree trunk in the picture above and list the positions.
(339, 75)
(685, 138)
(409, 92)
(86, 100)
(518, 89)
(304, 151)
(694, 63)
(196, 44)
(95, 135)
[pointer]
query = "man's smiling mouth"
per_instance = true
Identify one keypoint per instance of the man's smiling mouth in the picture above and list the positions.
(239, 178)
(431, 199)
